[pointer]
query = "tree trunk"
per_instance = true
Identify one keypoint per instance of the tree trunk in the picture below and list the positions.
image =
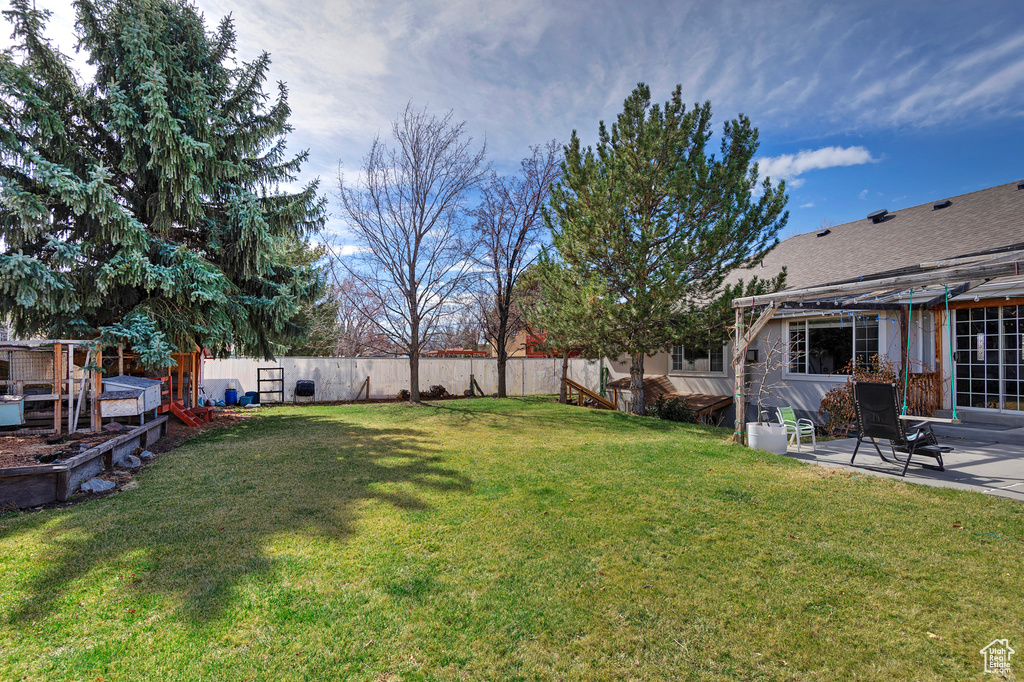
(502, 362)
(501, 343)
(414, 372)
(565, 375)
(636, 385)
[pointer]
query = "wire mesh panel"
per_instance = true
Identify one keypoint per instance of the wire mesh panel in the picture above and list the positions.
(26, 367)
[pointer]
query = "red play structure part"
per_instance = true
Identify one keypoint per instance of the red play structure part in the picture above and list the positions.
(184, 415)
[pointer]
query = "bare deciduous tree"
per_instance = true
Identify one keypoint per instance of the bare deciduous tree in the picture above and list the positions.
(409, 221)
(460, 330)
(357, 335)
(508, 223)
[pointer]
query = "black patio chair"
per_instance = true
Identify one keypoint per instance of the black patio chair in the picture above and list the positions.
(878, 416)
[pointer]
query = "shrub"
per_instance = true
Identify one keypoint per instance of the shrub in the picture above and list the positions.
(674, 410)
(836, 409)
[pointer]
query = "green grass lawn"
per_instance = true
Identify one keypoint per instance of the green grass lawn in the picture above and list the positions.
(514, 539)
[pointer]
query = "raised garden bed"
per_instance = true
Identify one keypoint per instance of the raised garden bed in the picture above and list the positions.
(31, 486)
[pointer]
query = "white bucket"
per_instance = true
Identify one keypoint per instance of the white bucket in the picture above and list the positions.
(770, 437)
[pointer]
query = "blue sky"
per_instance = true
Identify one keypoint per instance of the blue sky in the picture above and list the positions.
(861, 105)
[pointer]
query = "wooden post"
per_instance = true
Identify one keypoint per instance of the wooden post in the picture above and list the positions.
(120, 359)
(940, 342)
(181, 376)
(71, 384)
(739, 363)
(58, 372)
(744, 337)
(97, 388)
(194, 379)
(904, 337)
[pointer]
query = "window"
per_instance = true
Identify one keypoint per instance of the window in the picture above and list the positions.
(696, 360)
(827, 346)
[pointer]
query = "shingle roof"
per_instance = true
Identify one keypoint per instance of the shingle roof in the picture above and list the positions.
(975, 222)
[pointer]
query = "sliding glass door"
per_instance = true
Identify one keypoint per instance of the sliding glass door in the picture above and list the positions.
(989, 360)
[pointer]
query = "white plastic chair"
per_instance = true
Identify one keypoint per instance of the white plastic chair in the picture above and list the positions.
(796, 429)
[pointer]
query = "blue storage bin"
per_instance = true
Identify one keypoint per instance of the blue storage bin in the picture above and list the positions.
(231, 397)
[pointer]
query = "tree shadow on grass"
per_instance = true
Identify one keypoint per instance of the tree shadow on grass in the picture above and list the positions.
(511, 410)
(203, 518)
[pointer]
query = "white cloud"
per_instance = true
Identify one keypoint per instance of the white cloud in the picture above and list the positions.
(809, 204)
(524, 71)
(863, 194)
(790, 167)
(344, 250)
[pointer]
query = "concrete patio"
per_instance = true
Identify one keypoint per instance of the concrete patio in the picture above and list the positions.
(982, 464)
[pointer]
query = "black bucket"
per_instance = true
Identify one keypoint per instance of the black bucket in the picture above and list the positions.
(304, 388)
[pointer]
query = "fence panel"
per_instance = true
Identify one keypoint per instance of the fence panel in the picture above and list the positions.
(342, 378)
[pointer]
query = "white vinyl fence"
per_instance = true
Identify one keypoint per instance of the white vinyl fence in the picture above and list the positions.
(341, 378)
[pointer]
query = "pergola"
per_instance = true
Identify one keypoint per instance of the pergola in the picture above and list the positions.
(938, 280)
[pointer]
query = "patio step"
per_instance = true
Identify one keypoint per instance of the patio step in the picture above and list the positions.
(980, 431)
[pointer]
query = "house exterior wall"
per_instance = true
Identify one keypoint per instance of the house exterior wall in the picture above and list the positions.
(803, 392)
(515, 347)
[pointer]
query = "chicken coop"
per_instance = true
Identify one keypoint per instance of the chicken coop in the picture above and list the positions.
(50, 386)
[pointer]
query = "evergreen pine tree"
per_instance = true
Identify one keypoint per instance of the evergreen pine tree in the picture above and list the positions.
(143, 206)
(647, 226)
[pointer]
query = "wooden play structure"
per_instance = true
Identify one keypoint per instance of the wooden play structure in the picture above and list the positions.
(585, 397)
(55, 386)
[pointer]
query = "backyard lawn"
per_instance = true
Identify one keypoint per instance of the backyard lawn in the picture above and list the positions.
(514, 539)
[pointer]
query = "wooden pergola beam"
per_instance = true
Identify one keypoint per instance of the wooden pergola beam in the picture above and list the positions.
(987, 270)
(955, 291)
(831, 305)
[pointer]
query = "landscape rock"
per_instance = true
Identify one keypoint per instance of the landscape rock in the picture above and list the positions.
(146, 456)
(97, 485)
(114, 427)
(129, 462)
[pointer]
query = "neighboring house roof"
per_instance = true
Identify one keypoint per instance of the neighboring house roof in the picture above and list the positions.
(972, 223)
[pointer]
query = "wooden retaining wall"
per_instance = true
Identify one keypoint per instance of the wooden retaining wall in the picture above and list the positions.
(31, 486)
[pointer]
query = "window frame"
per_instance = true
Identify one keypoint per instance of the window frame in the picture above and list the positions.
(805, 322)
(696, 372)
